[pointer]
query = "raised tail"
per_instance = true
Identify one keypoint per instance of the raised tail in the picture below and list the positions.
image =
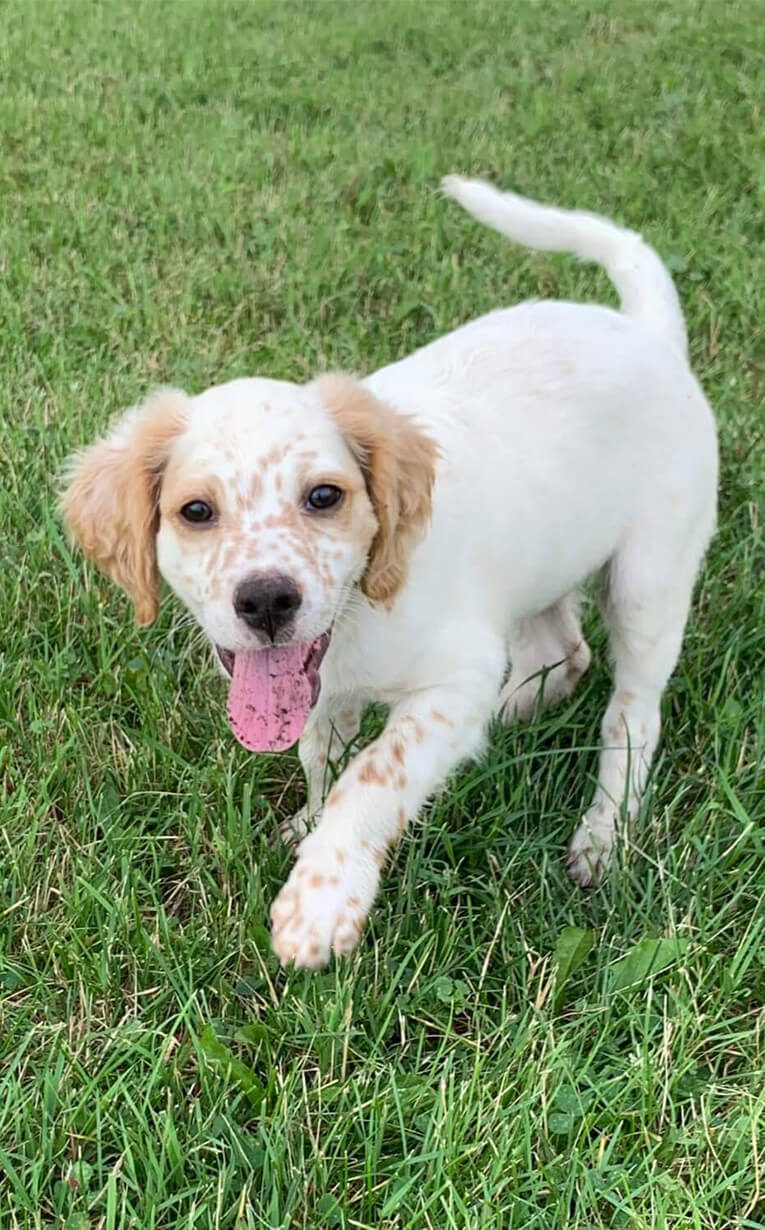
(646, 290)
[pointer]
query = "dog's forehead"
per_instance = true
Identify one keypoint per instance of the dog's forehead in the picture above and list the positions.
(248, 424)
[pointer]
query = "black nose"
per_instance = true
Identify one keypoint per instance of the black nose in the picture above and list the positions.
(267, 603)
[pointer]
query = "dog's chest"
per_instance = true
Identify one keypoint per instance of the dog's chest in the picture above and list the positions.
(377, 656)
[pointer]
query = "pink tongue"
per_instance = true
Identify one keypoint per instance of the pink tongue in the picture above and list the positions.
(270, 698)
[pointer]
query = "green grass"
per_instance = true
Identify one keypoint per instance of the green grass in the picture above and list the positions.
(196, 191)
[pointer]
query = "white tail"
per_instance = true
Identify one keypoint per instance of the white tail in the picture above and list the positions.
(646, 290)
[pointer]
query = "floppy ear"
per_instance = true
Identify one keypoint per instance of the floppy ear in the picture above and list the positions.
(111, 504)
(398, 462)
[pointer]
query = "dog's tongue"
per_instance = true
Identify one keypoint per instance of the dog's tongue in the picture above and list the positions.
(272, 692)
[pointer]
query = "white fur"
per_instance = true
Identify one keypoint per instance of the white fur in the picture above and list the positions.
(645, 289)
(572, 439)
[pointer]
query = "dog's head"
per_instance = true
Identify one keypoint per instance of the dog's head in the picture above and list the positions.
(264, 505)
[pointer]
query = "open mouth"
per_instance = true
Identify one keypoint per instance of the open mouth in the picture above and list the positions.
(272, 692)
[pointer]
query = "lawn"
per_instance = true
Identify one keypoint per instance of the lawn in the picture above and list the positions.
(191, 192)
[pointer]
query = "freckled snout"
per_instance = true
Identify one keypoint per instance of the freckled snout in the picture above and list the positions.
(267, 602)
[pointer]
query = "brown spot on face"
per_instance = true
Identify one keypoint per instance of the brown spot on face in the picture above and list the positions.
(353, 903)
(340, 855)
(438, 716)
(401, 781)
(335, 795)
(238, 500)
(274, 456)
(333, 881)
(314, 949)
(237, 548)
(297, 545)
(399, 751)
(316, 880)
(290, 515)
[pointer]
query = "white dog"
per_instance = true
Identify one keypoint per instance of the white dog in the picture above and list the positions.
(400, 538)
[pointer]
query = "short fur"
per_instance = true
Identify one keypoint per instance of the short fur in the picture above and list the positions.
(484, 479)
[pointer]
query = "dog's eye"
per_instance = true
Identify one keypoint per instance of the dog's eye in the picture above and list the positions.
(196, 512)
(323, 497)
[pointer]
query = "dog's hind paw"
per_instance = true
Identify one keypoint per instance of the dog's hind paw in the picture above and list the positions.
(592, 847)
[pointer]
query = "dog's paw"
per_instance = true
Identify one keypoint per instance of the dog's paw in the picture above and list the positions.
(592, 847)
(324, 904)
(292, 830)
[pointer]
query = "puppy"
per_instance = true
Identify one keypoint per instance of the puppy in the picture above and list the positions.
(401, 538)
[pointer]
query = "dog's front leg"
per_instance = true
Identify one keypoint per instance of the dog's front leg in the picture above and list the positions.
(324, 904)
(332, 727)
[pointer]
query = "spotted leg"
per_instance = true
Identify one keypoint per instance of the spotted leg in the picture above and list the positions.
(326, 900)
(331, 729)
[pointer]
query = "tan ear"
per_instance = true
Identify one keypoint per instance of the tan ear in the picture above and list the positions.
(398, 462)
(111, 504)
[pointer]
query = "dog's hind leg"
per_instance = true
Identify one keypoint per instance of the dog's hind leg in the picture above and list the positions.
(548, 656)
(646, 606)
